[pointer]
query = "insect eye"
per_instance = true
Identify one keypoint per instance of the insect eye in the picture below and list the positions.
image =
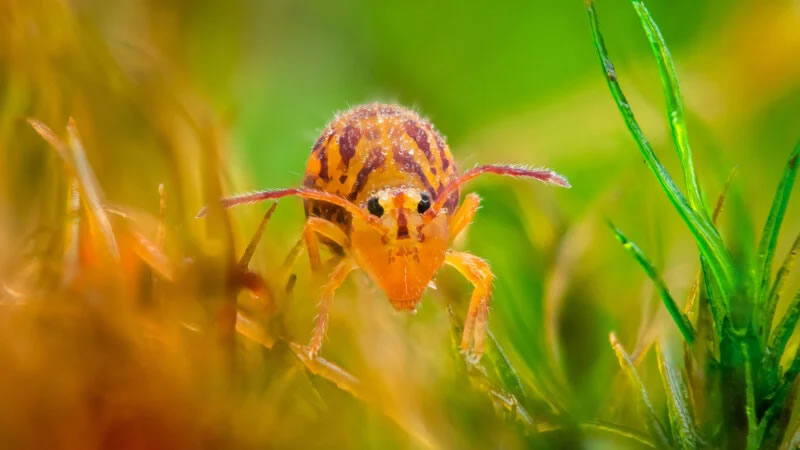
(424, 203)
(374, 207)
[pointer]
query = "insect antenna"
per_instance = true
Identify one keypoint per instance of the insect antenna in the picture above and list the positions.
(544, 175)
(249, 197)
(310, 194)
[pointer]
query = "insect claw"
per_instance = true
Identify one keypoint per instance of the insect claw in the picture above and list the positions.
(311, 352)
(471, 357)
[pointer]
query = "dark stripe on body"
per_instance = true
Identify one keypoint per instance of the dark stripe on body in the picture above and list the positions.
(323, 164)
(320, 140)
(347, 143)
(375, 159)
(420, 137)
(322, 155)
(452, 202)
(405, 162)
(440, 144)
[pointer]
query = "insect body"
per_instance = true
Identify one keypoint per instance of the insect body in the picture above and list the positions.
(381, 186)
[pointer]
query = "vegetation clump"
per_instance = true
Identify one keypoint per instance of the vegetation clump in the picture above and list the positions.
(737, 385)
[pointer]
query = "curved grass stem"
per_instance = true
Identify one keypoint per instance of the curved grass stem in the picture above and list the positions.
(674, 100)
(705, 234)
(769, 238)
(681, 320)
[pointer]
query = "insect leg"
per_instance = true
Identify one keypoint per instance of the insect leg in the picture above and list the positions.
(310, 241)
(477, 271)
(544, 175)
(312, 245)
(337, 277)
(464, 215)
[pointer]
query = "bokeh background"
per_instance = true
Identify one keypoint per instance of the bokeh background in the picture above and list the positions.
(211, 97)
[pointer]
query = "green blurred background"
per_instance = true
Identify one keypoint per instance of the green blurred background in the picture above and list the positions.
(514, 81)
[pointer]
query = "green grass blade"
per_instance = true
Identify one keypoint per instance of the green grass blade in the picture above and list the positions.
(769, 237)
(723, 196)
(672, 93)
(708, 239)
(782, 333)
(701, 276)
(713, 303)
(707, 330)
(681, 415)
(753, 437)
(699, 358)
(618, 430)
(504, 369)
(777, 286)
(648, 412)
(780, 396)
(792, 372)
(684, 325)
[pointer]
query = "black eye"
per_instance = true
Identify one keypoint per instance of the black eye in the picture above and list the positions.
(424, 203)
(374, 207)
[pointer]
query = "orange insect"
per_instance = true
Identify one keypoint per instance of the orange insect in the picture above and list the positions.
(382, 190)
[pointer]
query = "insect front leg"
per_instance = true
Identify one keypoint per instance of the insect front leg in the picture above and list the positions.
(464, 215)
(337, 277)
(310, 241)
(477, 271)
